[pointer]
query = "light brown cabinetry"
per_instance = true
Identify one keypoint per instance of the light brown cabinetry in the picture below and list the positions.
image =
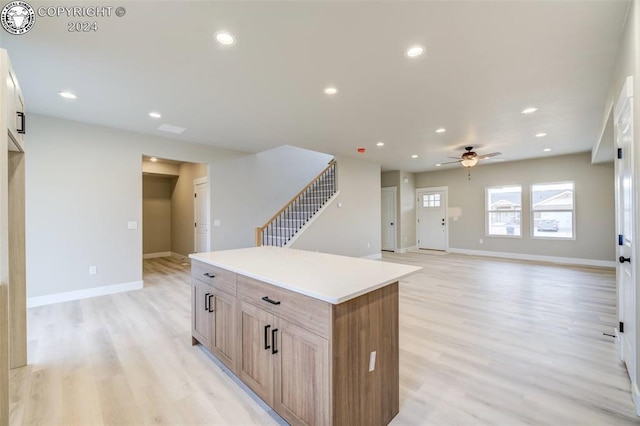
(16, 119)
(214, 313)
(310, 360)
(13, 294)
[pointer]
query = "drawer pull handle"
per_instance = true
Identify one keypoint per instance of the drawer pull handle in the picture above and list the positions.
(209, 275)
(273, 302)
(207, 300)
(211, 306)
(274, 350)
(266, 337)
(23, 127)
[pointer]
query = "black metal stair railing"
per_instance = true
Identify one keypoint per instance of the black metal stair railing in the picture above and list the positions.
(297, 212)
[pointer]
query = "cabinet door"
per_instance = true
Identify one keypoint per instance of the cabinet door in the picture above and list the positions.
(15, 105)
(301, 391)
(223, 339)
(256, 360)
(201, 312)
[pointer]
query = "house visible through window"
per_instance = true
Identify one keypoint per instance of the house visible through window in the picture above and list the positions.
(431, 200)
(504, 209)
(552, 210)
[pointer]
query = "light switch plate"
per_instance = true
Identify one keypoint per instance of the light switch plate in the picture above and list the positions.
(216, 222)
(132, 225)
(372, 361)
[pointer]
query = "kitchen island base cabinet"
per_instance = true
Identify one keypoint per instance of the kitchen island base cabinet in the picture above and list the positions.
(213, 322)
(314, 359)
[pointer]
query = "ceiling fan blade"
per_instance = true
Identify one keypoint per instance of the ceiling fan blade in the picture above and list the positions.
(485, 156)
(455, 158)
(451, 162)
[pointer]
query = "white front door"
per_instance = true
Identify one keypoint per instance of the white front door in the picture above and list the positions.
(389, 218)
(431, 209)
(626, 274)
(201, 217)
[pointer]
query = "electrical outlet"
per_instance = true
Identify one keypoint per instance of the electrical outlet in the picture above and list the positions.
(93, 270)
(132, 225)
(369, 245)
(481, 241)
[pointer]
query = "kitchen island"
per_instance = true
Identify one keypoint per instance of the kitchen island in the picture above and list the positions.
(314, 335)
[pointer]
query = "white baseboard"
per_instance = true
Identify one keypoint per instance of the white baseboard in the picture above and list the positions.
(180, 256)
(82, 294)
(374, 256)
(154, 255)
(536, 257)
(406, 249)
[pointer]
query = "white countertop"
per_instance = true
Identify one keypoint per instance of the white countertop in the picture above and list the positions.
(334, 279)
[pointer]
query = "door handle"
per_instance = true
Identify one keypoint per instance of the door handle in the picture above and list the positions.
(211, 308)
(623, 259)
(274, 350)
(266, 336)
(206, 301)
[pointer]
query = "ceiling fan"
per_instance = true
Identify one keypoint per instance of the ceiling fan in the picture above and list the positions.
(470, 158)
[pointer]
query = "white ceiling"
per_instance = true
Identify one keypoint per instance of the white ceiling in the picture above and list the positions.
(485, 61)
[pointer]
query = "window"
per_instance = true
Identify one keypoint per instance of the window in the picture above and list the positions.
(431, 200)
(504, 208)
(552, 210)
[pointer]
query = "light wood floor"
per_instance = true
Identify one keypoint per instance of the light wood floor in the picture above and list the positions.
(482, 341)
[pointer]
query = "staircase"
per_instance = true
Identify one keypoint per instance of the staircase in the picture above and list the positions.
(296, 213)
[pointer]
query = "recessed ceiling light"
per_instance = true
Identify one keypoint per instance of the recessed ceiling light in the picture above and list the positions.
(547, 149)
(438, 165)
(414, 156)
(154, 159)
(68, 95)
(330, 90)
(541, 135)
(155, 115)
(529, 110)
(441, 130)
(380, 143)
(414, 51)
(225, 38)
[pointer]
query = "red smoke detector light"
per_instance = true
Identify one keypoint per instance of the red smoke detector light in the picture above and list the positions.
(361, 150)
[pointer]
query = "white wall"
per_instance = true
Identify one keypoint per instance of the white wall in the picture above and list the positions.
(594, 208)
(628, 64)
(355, 228)
(248, 191)
(83, 184)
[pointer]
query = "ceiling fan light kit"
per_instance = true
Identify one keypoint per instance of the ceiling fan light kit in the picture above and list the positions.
(470, 158)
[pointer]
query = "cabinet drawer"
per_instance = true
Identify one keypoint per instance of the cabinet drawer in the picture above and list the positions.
(217, 277)
(309, 313)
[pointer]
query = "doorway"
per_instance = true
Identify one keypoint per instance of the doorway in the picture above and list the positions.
(431, 218)
(388, 215)
(625, 209)
(168, 207)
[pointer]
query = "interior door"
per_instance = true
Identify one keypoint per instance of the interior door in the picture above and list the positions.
(201, 219)
(389, 218)
(626, 278)
(431, 208)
